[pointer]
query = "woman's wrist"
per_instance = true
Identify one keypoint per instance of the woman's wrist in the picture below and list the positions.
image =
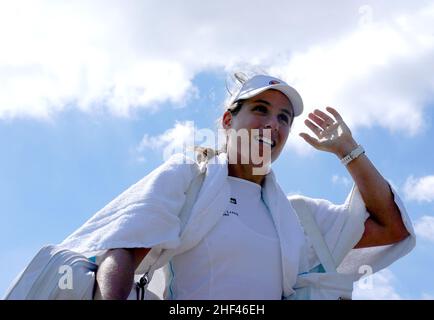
(345, 148)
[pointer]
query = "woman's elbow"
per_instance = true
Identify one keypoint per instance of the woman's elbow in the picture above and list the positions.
(398, 232)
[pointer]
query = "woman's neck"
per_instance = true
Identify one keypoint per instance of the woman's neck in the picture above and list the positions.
(245, 171)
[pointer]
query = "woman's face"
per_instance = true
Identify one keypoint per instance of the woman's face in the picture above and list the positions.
(270, 109)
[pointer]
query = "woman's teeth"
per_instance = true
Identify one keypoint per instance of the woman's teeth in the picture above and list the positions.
(265, 140)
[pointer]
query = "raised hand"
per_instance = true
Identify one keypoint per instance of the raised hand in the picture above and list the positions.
(333, 135)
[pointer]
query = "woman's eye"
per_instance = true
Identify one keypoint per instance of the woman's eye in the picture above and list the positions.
(260, 108)
(284, 118)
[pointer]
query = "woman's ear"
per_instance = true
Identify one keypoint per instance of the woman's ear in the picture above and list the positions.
(227, 120)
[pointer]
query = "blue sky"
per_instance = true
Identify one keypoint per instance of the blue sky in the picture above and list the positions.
(74, 133)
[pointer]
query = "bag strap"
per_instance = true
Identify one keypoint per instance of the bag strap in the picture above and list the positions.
(313, 232)
(191, 195)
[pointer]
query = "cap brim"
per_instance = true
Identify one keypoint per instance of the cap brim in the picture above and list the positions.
(293, 96)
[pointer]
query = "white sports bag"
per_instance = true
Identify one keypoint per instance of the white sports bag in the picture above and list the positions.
(56, 273)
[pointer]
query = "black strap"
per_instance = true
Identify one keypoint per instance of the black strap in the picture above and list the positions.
(140, 287)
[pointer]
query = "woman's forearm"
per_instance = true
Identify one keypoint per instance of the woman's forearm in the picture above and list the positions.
(375, 191)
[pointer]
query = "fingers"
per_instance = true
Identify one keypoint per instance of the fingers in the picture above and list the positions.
(323, 126)
(311, 140)
(323, 120)
(327, 119)
(335, 114)
(320, 122)
(313, 127)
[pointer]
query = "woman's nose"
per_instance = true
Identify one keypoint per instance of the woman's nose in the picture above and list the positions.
(272, 124)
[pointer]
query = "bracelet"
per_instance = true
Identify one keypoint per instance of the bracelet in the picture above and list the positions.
(353, 155)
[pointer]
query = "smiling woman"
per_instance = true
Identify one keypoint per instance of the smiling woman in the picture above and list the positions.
(267, 117)
(217, 228)
(262, 112)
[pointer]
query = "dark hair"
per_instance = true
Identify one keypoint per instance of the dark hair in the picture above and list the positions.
(235, 107)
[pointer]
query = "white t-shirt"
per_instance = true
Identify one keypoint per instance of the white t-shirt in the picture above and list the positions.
(239, 259)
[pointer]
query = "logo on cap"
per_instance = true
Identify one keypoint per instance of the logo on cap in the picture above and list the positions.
(273, 82)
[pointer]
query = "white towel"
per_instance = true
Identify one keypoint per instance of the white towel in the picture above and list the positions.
(145, 215)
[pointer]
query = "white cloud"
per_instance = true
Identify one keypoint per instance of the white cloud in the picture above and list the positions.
(175, 139)
(370, 74)
(179, 139)
(80, 53)
(382, 288)
(336, 179)
(107, 54)
(424, 227)
(419, 189)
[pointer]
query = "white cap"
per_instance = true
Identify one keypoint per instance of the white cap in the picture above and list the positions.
(261, 83)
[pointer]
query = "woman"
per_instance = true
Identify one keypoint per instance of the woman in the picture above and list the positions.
(243, 239)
